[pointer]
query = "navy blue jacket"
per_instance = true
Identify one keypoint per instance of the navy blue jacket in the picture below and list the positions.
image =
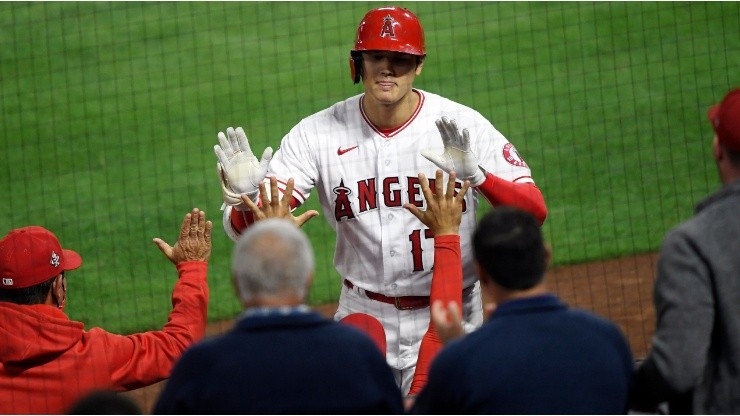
(534, 355)
(299, 363)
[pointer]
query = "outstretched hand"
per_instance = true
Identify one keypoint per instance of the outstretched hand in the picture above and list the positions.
(194, 241)
(240, 172)
(458, 155)
(447, 321)
(273, 206)
(444, 208)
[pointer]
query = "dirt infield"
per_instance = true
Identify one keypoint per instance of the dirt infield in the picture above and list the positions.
(619, 289)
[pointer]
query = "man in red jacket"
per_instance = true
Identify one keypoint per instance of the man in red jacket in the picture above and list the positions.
(48, 361)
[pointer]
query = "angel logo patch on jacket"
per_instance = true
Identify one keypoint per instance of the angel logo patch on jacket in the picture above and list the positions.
(512, 156)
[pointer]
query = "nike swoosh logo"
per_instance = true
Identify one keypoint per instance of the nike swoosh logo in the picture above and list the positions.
(341, 151)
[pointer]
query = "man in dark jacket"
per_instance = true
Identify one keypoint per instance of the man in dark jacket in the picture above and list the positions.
(534, 355)
(281, 357)
(695, 356)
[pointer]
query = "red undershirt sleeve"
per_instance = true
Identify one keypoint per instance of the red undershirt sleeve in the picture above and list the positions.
(446, 287)
(240, 220)
(525, 196)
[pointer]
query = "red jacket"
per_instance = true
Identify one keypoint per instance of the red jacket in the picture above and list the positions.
(47, 361)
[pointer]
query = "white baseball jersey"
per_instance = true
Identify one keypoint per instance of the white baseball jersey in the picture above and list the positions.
(363, 177)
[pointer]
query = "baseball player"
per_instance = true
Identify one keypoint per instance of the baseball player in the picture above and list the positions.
(362, 157)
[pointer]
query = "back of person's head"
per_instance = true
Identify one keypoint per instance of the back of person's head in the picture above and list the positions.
(30, 259)
(509, 247)
(32, 295)
(272, 258)
(104, 402)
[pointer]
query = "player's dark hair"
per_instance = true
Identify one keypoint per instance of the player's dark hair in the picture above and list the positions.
(28, 295)
(104, 402)
(508, 245)
(357, 62)
(734, 157)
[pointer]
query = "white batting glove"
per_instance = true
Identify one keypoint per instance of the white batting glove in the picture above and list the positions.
(240, 172)
(457, 155)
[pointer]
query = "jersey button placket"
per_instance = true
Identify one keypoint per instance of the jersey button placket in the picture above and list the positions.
(386, 167)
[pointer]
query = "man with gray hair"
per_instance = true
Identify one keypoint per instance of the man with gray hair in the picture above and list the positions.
(273, 266)
(281, 357)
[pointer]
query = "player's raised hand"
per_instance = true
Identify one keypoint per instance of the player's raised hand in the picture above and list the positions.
(457, 154)
(240, 171)
(194, 241)
(273, 206)
(444, 208)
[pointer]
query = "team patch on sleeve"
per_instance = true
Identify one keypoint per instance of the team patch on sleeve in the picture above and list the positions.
(512, 156)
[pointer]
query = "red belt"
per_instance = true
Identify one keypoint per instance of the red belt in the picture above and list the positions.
(401, 302)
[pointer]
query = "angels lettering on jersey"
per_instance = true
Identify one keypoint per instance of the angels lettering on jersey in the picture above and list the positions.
(390, 191)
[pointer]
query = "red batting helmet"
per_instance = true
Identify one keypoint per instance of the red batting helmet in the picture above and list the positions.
(386, 29)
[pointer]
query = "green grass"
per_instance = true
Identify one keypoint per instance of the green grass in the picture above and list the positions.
(110, 112)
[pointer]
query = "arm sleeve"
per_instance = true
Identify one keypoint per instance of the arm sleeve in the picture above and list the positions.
(685, 318)
(447, 287)
(525, 196)
(235, 222)
(145, 358)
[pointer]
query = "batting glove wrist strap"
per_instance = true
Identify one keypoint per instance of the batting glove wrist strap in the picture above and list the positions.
(232, 198)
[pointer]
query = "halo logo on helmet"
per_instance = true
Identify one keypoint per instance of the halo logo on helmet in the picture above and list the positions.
(387, 29)
(392, 29)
